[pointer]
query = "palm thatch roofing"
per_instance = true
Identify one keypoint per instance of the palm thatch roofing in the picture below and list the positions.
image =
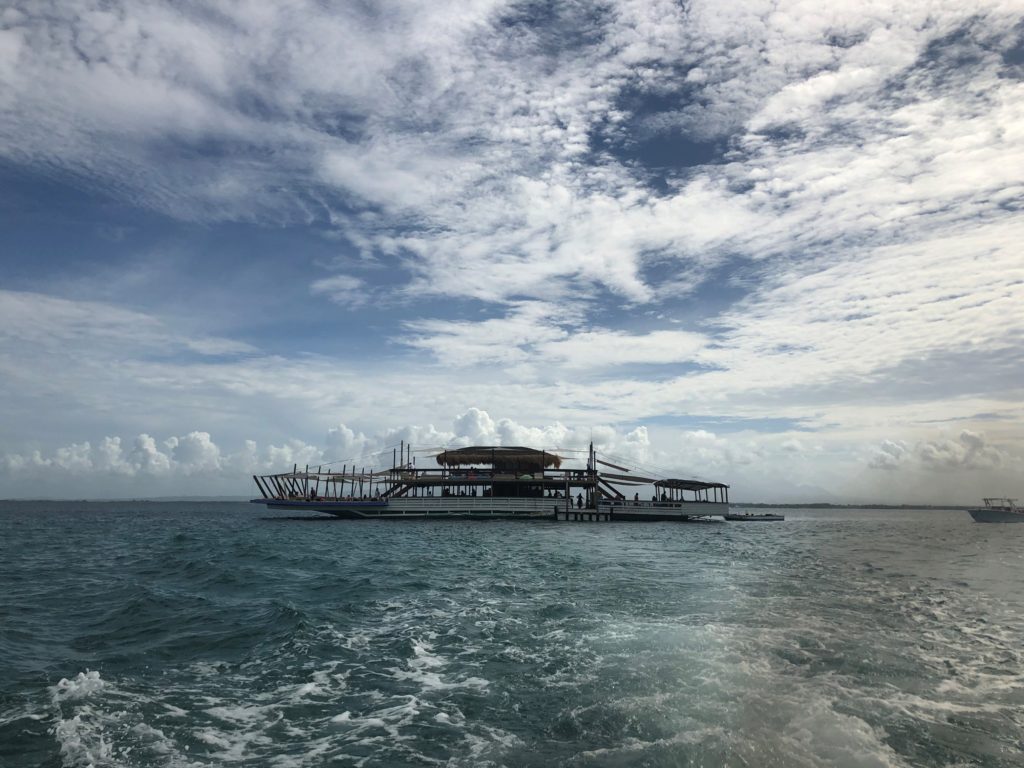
(514, 458)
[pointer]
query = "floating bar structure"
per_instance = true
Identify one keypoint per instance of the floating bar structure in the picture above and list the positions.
(491, 482)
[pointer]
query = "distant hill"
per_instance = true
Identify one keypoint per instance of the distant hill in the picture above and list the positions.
(150, 499)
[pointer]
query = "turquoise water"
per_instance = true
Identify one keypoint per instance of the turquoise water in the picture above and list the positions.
(144, 634)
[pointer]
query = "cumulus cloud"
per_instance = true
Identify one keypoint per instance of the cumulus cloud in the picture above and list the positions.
(751, 463)
(968, 451)
(147, 458)
(475, 425)
(196, 455)
(890, 455)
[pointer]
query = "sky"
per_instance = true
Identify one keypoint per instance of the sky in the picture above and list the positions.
(771, 244)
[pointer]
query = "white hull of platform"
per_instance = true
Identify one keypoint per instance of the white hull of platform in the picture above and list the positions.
(663, 510)
(480, 507)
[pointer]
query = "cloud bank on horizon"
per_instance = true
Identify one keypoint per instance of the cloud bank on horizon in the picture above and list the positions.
(749, 242)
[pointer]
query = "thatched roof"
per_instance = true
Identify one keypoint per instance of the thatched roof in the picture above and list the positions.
(513, 458)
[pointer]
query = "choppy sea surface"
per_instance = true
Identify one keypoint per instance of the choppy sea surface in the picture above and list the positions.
(189, 634)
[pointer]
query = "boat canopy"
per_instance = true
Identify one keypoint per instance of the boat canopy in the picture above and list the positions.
(687, 485)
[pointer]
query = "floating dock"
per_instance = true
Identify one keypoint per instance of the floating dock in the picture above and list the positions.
(489, 483)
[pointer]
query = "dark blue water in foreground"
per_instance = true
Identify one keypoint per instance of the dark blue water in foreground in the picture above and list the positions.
(142, 634)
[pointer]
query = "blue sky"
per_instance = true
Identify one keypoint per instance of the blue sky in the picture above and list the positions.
(766, 243)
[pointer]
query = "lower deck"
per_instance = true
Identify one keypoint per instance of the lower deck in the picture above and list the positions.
(494, 508)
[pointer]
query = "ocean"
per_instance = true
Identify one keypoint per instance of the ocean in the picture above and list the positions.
(207, 634)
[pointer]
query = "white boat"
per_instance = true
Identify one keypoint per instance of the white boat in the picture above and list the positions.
(998, 510)
(754, 517)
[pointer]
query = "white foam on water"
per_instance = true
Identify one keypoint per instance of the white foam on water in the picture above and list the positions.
(242, 743)
(390, 720)
(825, 737)
(981, 684)
(81, 730)
(432, 681)
(26, 711)
(212, 737)
(99, 725)
(631, 745)
(81, 686)
(240, 713)
(425, 659)
(82, 743)
(489, 740)
(359, 722)
(304, 691)
(425, 669)
(752, 701)
(208, 668)
(929, 710)
(782, 679)
(152, 737)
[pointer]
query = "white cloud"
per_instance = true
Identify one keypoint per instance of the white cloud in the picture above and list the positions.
(475, 425)
(757, 466)
(969, 451)
(345, 290)
(866, 204)
(36, 323)
(606, 347)
(891, 454)
(195, 453)
(147, 458)
(344, 443)
(505, 340)
(218, 347)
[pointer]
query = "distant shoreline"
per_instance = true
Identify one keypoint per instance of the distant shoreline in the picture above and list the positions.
(152, 500)
(737, 504)
(823, 505)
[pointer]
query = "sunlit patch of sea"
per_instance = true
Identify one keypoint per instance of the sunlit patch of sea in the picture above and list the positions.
(203, 635)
